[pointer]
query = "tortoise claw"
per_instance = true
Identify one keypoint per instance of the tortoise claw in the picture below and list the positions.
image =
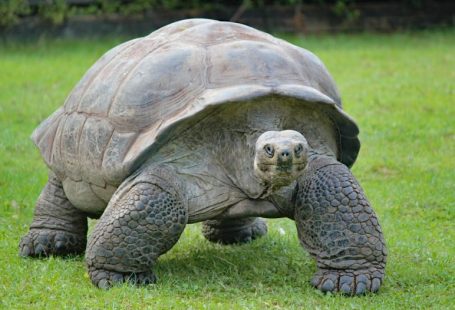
(349, 282)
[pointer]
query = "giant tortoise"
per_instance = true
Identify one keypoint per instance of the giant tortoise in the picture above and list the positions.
(212, 122)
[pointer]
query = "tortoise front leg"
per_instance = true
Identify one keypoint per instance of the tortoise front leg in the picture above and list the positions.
(337, 226)
(143, 220)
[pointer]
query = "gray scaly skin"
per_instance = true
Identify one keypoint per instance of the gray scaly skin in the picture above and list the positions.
(336, 224)
(143, 221)
(58, 227)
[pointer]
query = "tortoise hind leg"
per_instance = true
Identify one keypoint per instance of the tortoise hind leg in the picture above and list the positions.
(230, 231)
(58, 228)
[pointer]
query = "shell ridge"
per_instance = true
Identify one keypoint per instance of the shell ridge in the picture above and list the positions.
(208, 65)
(56, 144)
(129, 146)
(47, 129)
(52, 147)
(113, 167)
(40, 132)
(173, 102)
(80, 135)
(105, 148)
(156, 127)
(82, 128)
(96, 134)
(62, 127)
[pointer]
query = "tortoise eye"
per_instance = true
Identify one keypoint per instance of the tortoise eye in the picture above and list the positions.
(298, 149)
(269, 150)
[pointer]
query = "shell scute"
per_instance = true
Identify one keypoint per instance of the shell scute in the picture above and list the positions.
(160, 87)
(95, 136)
(250, 62)
(113, 166)
(77, 94)
(100, 94)
(223, 32)
(71, 133)
(178, 27)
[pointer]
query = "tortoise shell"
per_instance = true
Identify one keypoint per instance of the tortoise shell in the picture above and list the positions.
(133, 97)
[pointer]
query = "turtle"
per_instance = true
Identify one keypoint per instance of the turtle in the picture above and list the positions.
(204, 121)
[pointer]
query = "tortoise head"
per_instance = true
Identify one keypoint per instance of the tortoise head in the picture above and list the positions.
(280, 157)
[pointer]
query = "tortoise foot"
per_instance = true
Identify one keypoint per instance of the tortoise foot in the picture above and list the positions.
(348, 282)
(105, 279)
(46, 242)
(234, 231)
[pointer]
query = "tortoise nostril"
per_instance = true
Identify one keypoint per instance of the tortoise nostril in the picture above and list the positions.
(285, 154)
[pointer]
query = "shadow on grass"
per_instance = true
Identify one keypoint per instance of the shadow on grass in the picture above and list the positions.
(263, 262)
(273, 261)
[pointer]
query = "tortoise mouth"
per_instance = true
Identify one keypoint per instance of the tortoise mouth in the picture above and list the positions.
(283, 168)
(279, 174)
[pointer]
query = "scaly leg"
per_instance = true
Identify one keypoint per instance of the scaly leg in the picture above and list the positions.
(143, 220)
(231, 231)
(337, 226)
(58, 228)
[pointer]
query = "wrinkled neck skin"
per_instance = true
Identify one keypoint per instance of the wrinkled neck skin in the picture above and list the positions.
(236, 141)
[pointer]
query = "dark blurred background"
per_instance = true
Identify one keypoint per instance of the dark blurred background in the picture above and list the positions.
(91, 18)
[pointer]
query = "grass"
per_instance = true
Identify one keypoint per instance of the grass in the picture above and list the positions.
(400, 89)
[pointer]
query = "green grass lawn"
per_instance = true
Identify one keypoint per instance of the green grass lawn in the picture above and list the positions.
(401, 90)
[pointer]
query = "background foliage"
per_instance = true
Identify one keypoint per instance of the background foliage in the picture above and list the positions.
(56, 11)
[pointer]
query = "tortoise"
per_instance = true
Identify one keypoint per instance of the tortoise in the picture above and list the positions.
(204, 121)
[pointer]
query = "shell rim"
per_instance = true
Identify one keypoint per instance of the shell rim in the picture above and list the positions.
(346, 127)
(348, 142)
